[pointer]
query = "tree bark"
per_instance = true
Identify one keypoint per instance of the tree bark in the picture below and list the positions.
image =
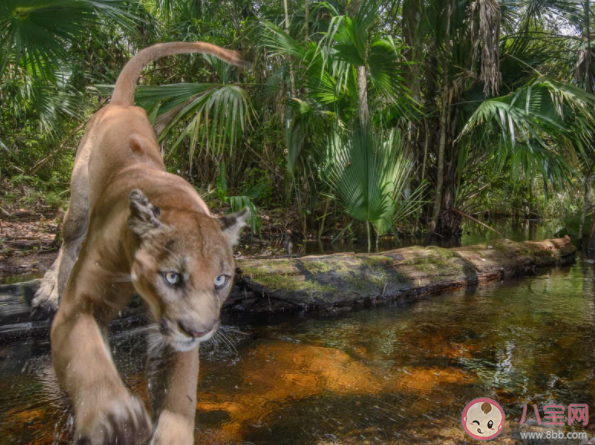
(589, 74)
(411, 19)
(426, 146)
(362, 96)
(443, 125)
(291, 74)
(586, 207)
(591, 242)
(306, 20)
(589, 88)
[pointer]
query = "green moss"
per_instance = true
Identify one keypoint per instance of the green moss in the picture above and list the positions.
(538, 252)
(378, 279)
(424, 263)
(326, 266)
(280, 265)
(278, 275)
(427, 265)
(359, 282)
(522, 249)
(251, 271)
(284, 267)
(442, 252)
(437, 266)
(378, 260)
(280, 282)
(317, 266)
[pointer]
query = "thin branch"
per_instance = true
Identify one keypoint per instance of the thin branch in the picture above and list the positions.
(6, 213)
(477, 221)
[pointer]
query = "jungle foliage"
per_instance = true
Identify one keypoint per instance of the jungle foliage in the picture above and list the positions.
(391, 114)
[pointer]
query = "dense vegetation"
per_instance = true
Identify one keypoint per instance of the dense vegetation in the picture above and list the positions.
(375, 116)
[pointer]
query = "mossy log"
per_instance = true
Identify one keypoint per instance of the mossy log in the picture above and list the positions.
(347, 279)
(330, 282)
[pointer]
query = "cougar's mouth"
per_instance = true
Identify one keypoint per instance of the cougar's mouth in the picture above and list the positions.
(183, 338)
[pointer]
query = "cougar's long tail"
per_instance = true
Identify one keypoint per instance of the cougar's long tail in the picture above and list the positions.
(124, 91)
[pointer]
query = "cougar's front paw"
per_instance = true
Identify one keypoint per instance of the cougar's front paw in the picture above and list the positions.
(173, 429)
(123, 421)
(46, 297)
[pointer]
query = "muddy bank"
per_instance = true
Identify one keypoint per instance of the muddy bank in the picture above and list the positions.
(334, 282)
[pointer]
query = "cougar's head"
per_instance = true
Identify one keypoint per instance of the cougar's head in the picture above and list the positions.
(183, 267)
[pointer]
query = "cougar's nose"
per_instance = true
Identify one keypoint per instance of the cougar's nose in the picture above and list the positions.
(185, 329)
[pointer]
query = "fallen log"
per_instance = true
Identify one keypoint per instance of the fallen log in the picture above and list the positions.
(347, 279)
(331, 282)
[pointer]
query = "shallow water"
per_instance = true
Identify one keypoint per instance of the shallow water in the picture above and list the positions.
(473, 233)
(390, 375)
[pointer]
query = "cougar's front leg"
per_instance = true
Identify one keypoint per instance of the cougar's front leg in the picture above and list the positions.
(105, 412)
(173, 382)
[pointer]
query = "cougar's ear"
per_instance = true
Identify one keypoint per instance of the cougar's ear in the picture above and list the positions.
(144, 216)
(232, 224)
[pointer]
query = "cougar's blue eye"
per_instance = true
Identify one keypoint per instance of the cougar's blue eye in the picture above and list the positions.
(221, 281)
(172, 278)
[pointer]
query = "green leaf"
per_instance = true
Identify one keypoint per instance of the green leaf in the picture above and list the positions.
(37, 32)
(215, 114)
(368, 175)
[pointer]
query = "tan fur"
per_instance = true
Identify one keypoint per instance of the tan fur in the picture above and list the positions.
(128, 217)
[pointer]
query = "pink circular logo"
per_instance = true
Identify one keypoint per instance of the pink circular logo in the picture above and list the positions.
(483, 419)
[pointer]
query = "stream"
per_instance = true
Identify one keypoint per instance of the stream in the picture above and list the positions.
(398, 374)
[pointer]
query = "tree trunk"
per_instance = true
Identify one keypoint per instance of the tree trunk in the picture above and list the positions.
(411, 20)
(450, 219)
(443, 125)
(426, 146)
(362, 96)
(586, 207)
(591, 242)
(306, 20)
(338, 280)
(589, 72)
(291, 74)
(589, 88)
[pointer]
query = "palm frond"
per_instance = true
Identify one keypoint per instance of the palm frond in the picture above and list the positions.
(399, 168)
(355, 170)
(544, 107)
(37, 32)
(536, 123)
(305, 121)
(217, 114)
(385, 67)
(280, 43)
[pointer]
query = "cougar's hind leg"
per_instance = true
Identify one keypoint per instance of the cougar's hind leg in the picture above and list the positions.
(76, 223)
(74, 229)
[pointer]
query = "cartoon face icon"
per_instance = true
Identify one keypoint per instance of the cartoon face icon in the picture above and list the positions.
(483, 419)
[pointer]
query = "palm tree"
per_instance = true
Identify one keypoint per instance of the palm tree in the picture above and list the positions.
(36, 33)
(474, 50)
(215, 114)
(369, 174)
(337, 73)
